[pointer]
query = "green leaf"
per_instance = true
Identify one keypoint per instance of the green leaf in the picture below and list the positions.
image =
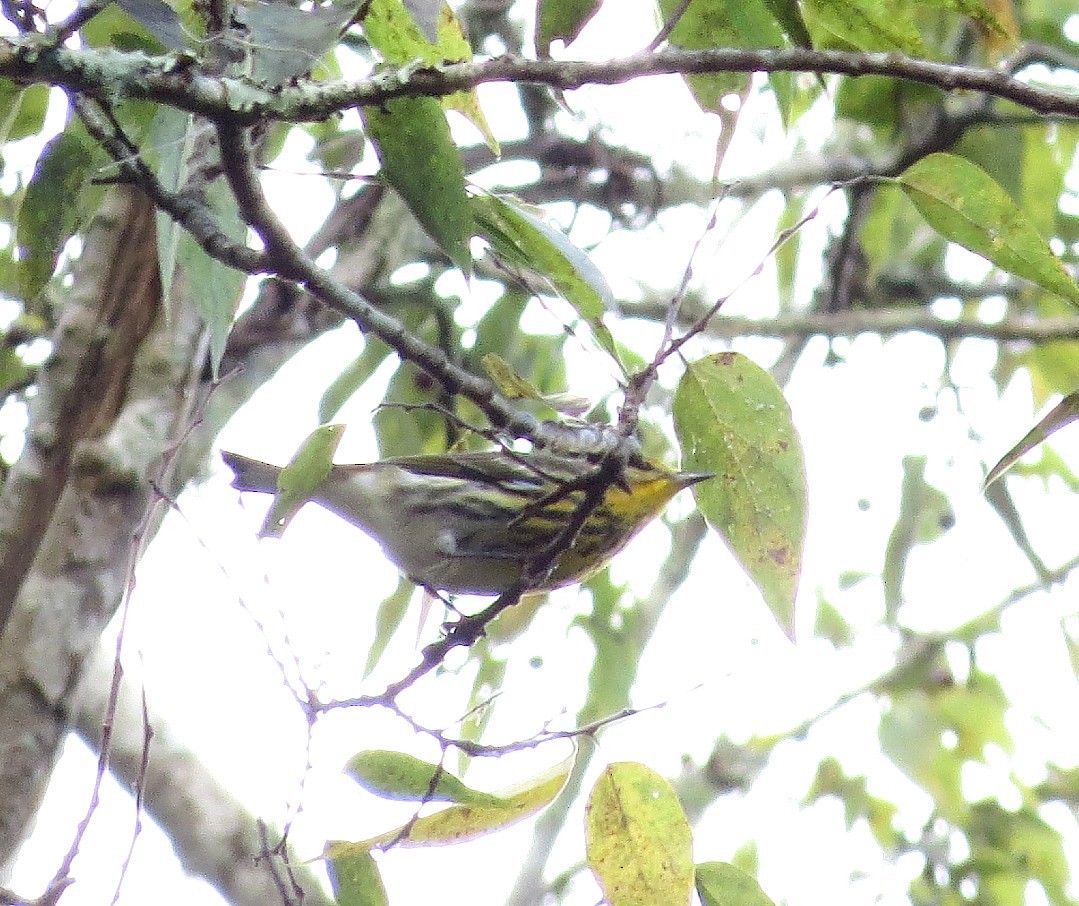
(1049, 465)
(49, 212)
(397, 775)
(962, 203)
(721, 23)
(426, 13)
(1047, 156)
(999, 152)
(721, 884)
(747, 858)
(215, 287)
(460, 823)
(523, 237)
(540, 356)
(454, 44)
(973, 9)
(924, 513)
(864, 25)
(853, 792)
(975, 712)
(483, 697)
(910, 735)
(789, 16)
(731, 419)
(883, 102)
(350, 380)
(422, 429)
(1062, 414)
(787, 255)
(510, 384)
(168, 152)
(514, 387)
(13, 370)
(420, 160)
(297, 482)
(1011, 847)
(562, 20)
(159, 19)
(1052, 368)
(356, 881)
(617, 641)
(116, 27)
(388, 618)
(831, 624)
(395, 33)
(705, 24)
(1000, 499)
(24, 110)
(638, 842)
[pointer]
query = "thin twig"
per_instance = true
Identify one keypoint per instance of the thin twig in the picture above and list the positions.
(665, 32)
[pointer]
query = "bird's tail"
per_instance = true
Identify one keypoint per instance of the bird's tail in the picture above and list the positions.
(251, 474)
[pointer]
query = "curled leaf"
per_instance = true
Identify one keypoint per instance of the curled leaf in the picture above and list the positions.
(462, 822)
(356, 880)
(299, 479)
(1062, 414)
(514, 387)
(397, 775)
(722, 884)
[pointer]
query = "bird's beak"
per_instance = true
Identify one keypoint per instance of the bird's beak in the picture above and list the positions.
(690, 478)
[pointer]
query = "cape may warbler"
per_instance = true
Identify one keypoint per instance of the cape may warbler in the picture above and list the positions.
(469, 523)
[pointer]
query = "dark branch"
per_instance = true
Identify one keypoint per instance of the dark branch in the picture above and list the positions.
(291, 263)
(112, 75)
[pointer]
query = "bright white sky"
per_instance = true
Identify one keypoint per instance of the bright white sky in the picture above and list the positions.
(717, 659)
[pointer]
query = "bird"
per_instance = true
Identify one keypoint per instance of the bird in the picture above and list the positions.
(473, 522)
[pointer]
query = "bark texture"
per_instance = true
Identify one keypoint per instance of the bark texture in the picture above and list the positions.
(109, 401)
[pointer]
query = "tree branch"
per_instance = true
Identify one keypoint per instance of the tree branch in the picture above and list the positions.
(291, 263)
(879, 321)
(111, 75)
(98, 338)
(119, 395)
